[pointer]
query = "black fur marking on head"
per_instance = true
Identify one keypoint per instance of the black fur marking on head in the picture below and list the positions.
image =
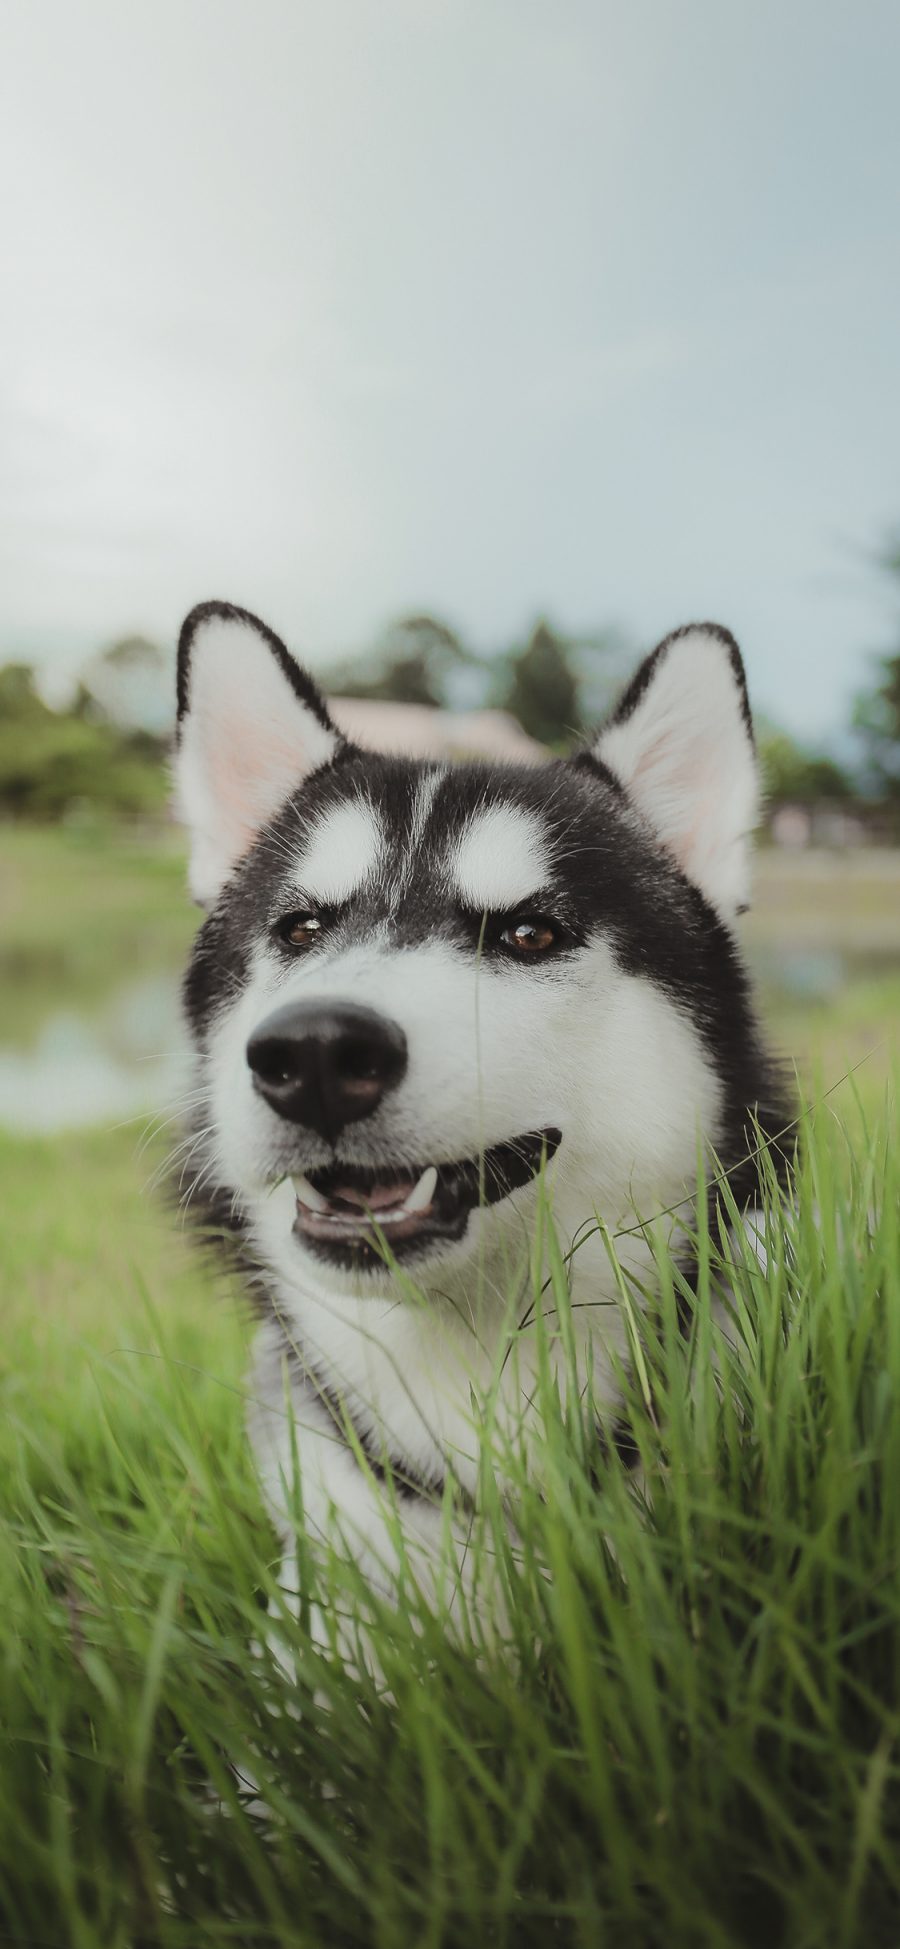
(610, 880)
(587, 760)
(302, 685)
(643, 677)
(217, 970)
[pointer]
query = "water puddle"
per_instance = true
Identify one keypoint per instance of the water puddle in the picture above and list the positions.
(99, 1067)
(817, 973)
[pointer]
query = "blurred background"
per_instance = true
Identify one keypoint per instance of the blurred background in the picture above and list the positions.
(475, 344)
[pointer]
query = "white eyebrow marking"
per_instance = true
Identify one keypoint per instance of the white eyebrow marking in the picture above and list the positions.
(501, 859)
(342, 852)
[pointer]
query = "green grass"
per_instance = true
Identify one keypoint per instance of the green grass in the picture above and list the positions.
(694, 1735)
(691, 1737)
(92, 1239)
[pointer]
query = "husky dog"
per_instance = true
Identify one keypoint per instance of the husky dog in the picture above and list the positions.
(421, 992)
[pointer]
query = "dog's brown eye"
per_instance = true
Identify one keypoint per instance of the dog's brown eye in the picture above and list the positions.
(300, 930)
(529, 937)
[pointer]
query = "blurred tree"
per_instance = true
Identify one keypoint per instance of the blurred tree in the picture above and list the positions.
(876, 719)
(53, 761)
(130, 684)
(552, 683)
(539, 686)
(793, 775)
(876, 712)
(18, 698)
(412, 663)
(559, 685)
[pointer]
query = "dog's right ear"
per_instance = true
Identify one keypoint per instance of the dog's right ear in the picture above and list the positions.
(251, 727)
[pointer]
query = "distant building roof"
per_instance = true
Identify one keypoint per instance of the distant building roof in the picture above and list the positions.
(417, 731)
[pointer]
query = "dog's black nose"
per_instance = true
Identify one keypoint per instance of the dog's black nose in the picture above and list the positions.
(326, 1064)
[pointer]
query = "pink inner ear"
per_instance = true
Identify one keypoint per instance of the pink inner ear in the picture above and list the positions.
(685, 755)
(699, 840)
(687, 785)
(252, 768)
(250, 738)
(652, 759)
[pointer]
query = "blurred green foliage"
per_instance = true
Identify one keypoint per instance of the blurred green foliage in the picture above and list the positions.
(412, 662)
(541, 687)
(876, 712)
(53, 762)
(555, 685)
(794, 775)
(877, 721)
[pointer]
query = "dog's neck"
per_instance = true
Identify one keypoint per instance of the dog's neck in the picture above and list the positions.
(416, 1370)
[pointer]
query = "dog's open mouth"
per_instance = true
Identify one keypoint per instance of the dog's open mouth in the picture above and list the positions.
(342, 1209)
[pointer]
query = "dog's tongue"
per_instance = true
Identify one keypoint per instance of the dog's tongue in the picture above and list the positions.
(378, 1197)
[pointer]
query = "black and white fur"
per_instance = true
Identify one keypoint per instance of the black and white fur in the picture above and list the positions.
(604, 1054)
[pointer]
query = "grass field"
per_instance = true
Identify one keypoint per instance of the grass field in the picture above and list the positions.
(696, 1740)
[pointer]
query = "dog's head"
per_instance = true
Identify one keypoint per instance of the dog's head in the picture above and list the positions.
(418, 985)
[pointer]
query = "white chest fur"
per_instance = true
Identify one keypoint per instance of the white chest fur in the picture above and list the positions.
(381, 1407)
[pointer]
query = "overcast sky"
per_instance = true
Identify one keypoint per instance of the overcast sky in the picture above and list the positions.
(335, 307)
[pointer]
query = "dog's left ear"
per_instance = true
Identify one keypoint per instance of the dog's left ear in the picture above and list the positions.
(681, 743)
(251, 727)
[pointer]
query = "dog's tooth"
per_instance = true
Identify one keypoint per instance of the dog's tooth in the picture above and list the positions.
(423, 1192)
(308, 1195)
